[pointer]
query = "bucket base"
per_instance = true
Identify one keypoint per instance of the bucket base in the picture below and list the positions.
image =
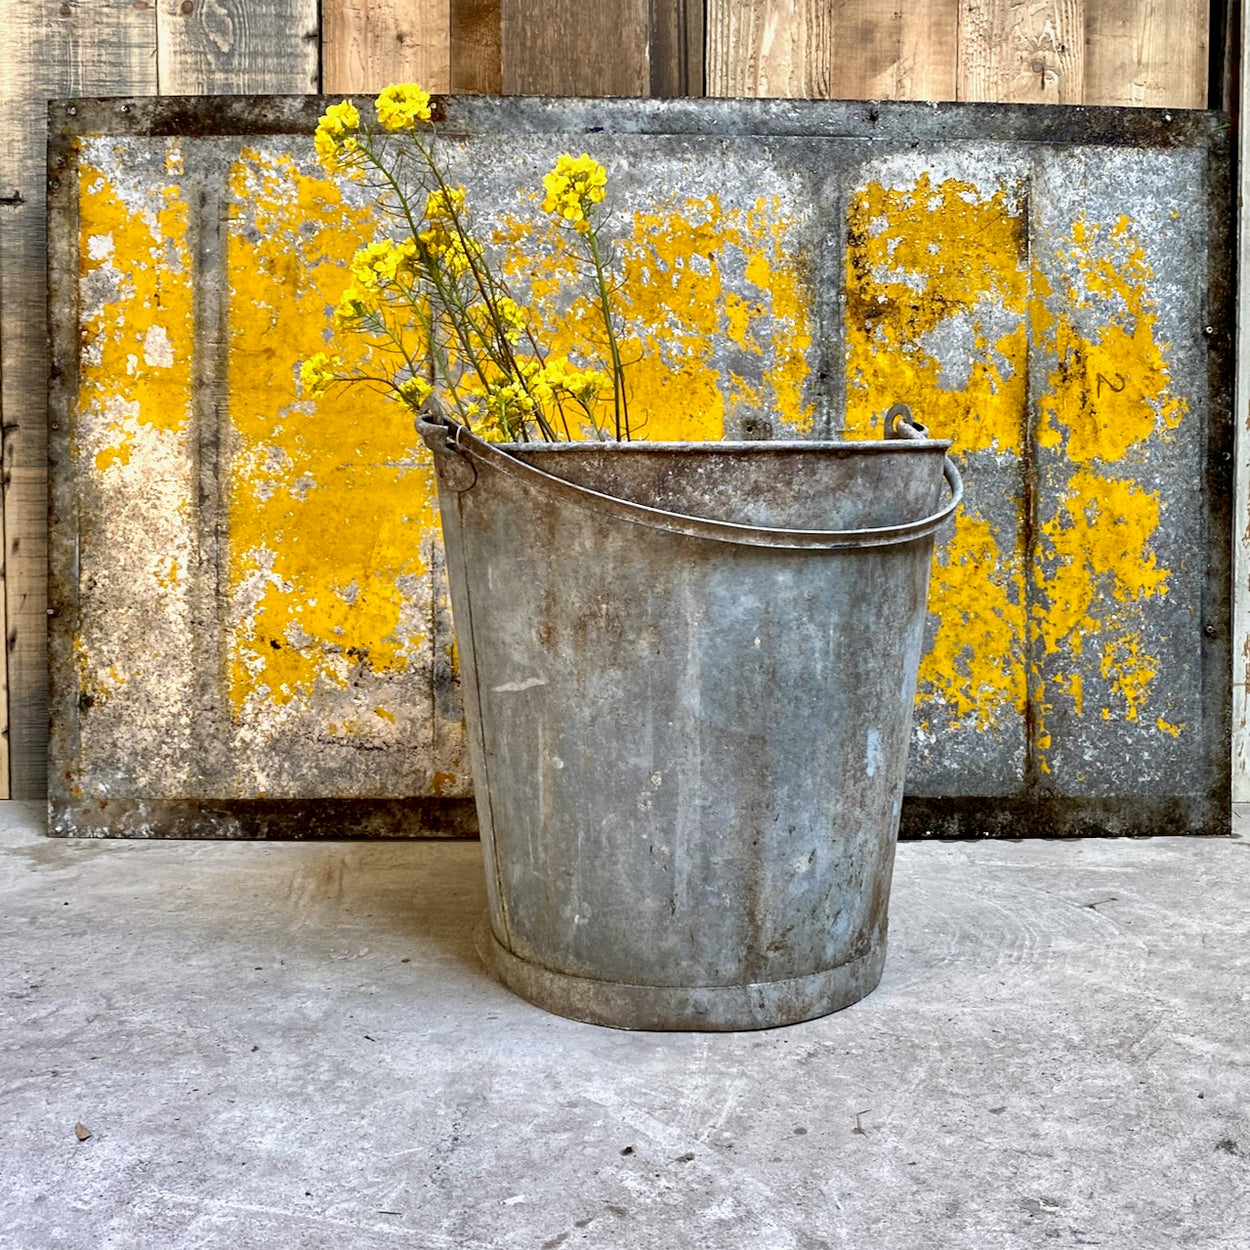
(706, 1008)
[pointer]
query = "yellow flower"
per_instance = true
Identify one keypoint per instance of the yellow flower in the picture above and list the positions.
(584, 385)
(318, 372)
(445, 202)
(379, 264)
(354, 303)
(490, 431)
(335, 140)
(574, 184)
(511, 318)
(448, 247)
(402, 105)
(414, 392)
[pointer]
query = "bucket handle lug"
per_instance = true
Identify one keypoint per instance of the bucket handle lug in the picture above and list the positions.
(899, 423)
(454, 468)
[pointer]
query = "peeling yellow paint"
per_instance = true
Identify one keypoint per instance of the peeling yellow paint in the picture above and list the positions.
(940, 268)
(946, 263)
(1109, 392)
(677, 313)
(1096, 570)
(972, 667)
(135, 363)
(929, 261)
(170, 578)
(329, 503)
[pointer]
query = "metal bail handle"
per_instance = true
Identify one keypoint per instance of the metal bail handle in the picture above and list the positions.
(457, 453)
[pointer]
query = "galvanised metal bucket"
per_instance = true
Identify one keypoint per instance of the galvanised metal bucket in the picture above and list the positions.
(688, 672)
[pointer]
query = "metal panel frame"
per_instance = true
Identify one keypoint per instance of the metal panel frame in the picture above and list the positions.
(1202, 806)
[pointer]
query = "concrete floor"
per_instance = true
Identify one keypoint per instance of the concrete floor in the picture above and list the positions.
(293, 1045)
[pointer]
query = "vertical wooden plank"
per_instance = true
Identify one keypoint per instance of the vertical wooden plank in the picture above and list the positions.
(261, 47)
(848, 49)
(1150, 53)
(476, 55)
(1225, 50)
(677, 48)
(46, 50)
(894, 52)
(568, 47)
(366, 44)
(1022, 51)
(770, 48)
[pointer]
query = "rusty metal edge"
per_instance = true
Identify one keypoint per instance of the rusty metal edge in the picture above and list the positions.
(63, 523)
(1032, 815)
(1218, 609)
(893, 121)
(278, 819)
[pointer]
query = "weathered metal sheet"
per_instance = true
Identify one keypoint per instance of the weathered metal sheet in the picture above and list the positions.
(249, 598)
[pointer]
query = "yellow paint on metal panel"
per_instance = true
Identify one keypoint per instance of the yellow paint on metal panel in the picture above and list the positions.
(945, 267)
(926, 265)
(329, 502)
(1110, 391)
(678, 311)
(135, 364)
(973, 662)
(1100, 571)
(931, 261)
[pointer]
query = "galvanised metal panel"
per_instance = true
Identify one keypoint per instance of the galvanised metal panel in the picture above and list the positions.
(250, 630)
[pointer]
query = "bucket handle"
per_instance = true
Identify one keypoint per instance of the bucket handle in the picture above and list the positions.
(457, 452)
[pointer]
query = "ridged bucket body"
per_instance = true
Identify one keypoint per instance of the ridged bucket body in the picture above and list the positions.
(688, 752)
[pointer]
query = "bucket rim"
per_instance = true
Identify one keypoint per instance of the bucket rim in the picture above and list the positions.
(458, 453)
(844, 446)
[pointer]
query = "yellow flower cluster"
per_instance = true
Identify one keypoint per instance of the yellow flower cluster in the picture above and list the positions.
(375, 266)
(573, 186)
(335, 140)
(455, 251)
(512, 318)
(444, 203)
(559, 377)
(414, 392)
(432, 301)
(318, 372)
(504, 402)
(445, 239)
(402, 105)
(380, 263)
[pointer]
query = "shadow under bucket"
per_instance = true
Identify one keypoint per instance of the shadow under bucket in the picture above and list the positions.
(688, 675)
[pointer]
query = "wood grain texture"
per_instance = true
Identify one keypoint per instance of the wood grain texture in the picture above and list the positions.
(237, 47)
(48, 50)
(677, 48)
(366, 44)
(849, 49)
(769, 48)
(901, 51)
(1150, 53)
(568, 47)
(1022, 51)
(476, 54)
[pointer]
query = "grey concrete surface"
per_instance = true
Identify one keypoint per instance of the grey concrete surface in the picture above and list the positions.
(293, 1045)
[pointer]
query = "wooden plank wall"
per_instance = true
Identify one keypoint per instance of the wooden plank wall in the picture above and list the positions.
(1130, 52)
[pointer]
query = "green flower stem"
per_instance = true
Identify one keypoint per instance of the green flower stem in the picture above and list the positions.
(619, 403)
